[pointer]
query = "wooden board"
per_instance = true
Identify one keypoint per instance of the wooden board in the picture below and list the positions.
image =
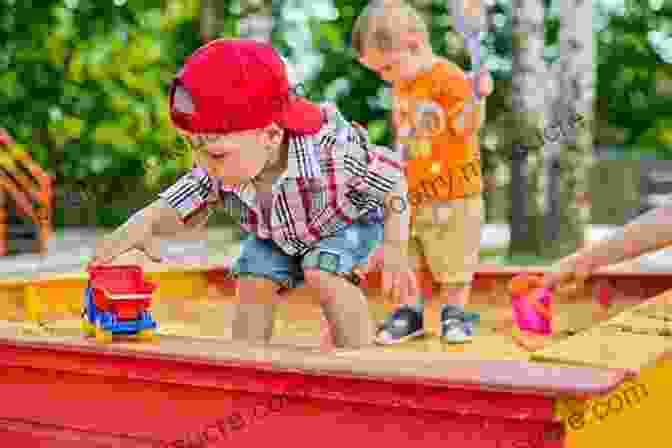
(299, 323)
(441, 367)
(634, 339)
(125, 394)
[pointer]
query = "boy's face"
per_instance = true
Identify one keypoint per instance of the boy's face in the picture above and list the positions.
(234, 158)
(394, 65)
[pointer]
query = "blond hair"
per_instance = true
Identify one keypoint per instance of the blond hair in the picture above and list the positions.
(381, 23)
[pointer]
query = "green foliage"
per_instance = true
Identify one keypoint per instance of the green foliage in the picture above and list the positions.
(357, 100)
(627, 70)
(83, 83)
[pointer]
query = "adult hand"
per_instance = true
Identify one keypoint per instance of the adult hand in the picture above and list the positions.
(572, 270)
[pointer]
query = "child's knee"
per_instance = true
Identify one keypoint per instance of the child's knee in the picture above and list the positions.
(325, 280)
(455, 289)
(317, 278)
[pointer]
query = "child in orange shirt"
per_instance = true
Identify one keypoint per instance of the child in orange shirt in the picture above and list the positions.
(436, 117)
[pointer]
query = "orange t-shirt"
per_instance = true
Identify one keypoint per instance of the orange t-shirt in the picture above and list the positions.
(439, 133)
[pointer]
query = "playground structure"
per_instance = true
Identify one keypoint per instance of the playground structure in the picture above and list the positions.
(490, 393)
(25, 192)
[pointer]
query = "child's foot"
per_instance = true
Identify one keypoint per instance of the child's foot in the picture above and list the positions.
(403, 324)
(457, 326)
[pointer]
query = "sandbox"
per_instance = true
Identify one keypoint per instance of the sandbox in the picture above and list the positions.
(196, 387)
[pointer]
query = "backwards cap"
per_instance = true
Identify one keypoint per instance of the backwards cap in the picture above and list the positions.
(231, 85)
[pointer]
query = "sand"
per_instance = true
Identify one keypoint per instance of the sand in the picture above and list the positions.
(299, 324)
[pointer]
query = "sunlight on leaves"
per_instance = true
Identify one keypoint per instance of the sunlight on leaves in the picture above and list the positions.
(376, 130)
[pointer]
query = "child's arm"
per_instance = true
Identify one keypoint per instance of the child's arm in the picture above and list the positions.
(386, 182)
(183, 206)
(485, 88)
(399, 282)
(397, 220)
(158, 218)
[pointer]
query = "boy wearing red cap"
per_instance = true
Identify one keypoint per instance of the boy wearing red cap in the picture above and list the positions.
(307, 187)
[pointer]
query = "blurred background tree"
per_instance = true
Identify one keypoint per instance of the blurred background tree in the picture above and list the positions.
(552, 152)
(528, 76)
(84, 84)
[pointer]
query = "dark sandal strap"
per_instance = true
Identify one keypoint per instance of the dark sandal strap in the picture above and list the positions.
(406, 313)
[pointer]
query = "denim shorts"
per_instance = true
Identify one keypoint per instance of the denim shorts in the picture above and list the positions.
(338, 254)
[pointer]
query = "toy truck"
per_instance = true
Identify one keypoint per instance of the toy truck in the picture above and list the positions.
(117, 302)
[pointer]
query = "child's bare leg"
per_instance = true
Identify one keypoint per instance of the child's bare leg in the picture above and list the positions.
(458, 229)
(255, 311)
(455, 294)
(456, 325)
(326, 334)
(343, 304)
(344, 307)
(261, 268)
(449, 236)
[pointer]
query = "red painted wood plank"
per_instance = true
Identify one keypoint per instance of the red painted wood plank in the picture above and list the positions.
(85, 395)
(24, 433)
(90, 410)
(501, 376)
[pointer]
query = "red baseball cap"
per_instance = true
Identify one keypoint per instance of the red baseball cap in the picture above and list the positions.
(237, 85)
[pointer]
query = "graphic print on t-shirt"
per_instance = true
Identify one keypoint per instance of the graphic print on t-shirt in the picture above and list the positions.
(418, 121)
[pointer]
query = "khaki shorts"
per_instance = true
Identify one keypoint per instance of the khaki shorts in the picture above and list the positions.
(446, 238)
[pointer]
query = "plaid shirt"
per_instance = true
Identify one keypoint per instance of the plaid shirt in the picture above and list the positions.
(306, 206)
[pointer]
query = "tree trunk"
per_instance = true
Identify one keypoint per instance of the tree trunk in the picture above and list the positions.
(568, 161)
(258, 21)
(527, 77)
(213, 14)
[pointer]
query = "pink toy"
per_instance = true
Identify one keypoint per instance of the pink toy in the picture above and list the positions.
(531, 305)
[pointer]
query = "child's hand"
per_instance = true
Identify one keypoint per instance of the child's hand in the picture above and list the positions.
(399, 282)
(485, 83)
(118, 243)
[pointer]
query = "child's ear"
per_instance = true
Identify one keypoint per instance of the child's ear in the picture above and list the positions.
(183, 101)
(273, 134)
(414, 41)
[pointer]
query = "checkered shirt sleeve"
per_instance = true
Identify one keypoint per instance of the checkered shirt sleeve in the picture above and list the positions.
(189, 194)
